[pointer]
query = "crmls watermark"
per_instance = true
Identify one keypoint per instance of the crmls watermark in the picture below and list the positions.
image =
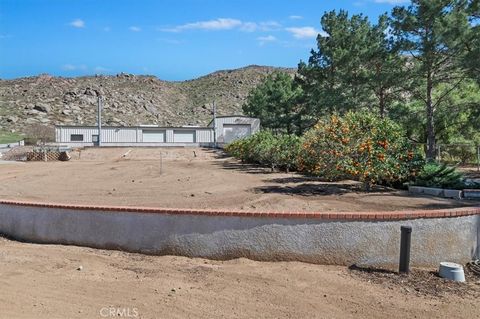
(121, 312)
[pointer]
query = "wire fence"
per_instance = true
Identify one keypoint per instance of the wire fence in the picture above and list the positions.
(455, 154)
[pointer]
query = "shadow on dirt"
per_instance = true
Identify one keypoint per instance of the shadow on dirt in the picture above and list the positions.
(245, 168)
(306, 186)
(296, 184)
(370, 270)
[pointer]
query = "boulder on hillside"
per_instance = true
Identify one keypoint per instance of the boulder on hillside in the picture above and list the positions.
(12, 119)
(69, 96)
(42, 107)
(151, 109)
(91, 92)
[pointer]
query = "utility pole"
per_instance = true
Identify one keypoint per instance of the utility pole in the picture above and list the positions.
(99, 119)
(214, 125)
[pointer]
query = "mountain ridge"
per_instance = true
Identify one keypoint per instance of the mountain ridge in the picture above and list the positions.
(128, 99)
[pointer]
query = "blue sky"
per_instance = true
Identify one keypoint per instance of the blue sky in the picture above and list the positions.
(172, 39)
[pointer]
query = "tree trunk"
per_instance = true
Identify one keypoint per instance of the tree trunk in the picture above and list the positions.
(382, 103)
(430, 121)
(367, 185)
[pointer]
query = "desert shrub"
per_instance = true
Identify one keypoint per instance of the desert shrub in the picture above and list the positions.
(360, 146)
(440, 175)
(39, 134)
(267, 149)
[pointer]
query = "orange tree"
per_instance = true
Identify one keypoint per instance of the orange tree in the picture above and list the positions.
(360, 146)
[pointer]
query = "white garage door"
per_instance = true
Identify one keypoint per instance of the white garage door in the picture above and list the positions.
(232, 132)
(153, 136)
(182, 136)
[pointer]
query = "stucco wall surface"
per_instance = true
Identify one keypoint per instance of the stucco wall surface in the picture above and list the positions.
(315, 240)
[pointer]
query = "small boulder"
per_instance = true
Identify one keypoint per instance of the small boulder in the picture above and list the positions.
(91, 92)
(42, 107)
(12, 119)
(150, 108)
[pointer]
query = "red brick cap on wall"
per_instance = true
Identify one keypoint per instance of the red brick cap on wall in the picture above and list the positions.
(386, 215)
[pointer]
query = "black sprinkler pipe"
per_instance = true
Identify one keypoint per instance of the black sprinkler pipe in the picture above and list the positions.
(405, 241)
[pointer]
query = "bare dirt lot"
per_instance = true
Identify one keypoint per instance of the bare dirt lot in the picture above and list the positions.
(192, 178)
(47, 281)
(43, 281)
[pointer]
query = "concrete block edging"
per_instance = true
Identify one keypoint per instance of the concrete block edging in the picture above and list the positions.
(446, 193)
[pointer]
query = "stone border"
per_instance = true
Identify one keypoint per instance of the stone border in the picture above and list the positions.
(445, 192)
(338, 216)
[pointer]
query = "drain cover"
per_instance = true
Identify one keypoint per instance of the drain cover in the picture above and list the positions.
(451, 271)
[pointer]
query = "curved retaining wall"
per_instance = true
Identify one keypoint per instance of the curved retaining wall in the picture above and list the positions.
(328, 238)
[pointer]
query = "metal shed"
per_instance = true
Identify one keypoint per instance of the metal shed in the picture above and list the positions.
(230, 128)
(222, 130)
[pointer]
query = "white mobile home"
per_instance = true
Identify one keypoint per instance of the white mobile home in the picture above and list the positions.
(221, 131)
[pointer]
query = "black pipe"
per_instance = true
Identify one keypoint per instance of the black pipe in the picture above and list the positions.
(405, 240)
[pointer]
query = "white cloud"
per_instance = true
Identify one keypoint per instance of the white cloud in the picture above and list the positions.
(249, 26)
(217, 24)
(135, 29)
(225, 24)
(392, 1)
(295, 17)
(74, 67)
(266, 39)
(305, 32)
(270, 25)
(77, 23)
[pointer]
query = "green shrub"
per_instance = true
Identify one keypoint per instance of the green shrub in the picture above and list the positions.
(440, 175)
(360, 146)
(264, 148)
(287, 150)
(461, 153)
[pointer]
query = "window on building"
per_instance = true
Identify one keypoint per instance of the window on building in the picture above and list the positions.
(76, 137)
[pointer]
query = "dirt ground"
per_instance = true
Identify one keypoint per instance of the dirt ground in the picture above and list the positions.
(54, 281)
(471, 171)
(192, 178)
(43, 281)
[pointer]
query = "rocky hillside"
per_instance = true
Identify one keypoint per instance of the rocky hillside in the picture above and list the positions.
(128, 99)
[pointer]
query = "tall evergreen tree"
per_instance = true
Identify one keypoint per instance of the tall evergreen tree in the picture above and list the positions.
(433, 33)
(275, 103)
(356, 66)
(472, 41)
